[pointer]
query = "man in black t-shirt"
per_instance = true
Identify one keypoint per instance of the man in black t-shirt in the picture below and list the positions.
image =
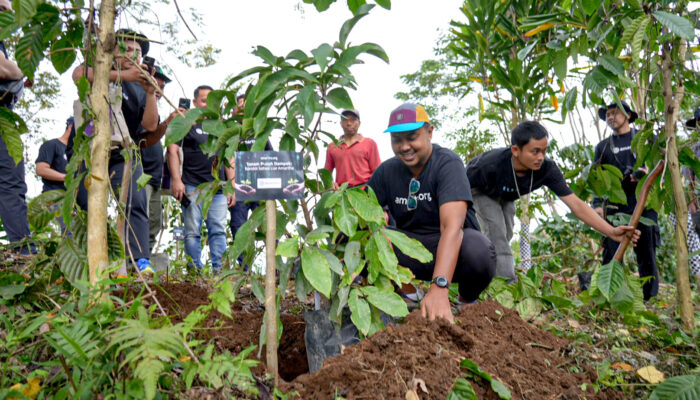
(51, 164)
(617, 150)
(13, 188)
(141, 115)
(426, 191)
(197, 168)
(499, 177)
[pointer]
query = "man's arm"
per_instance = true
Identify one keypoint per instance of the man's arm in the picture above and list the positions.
(177, 187)
(44, 170)
(153, 137)
(436, 303)
(9, 70)
(589, 216)
(127, 75)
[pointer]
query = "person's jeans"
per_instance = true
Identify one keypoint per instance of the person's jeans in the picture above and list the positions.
(155, 213)
(216, 228)
(496, 217)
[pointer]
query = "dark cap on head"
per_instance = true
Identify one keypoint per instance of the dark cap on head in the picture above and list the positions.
(351, 112)
(161, 75)
(692, 123)
(141, 39)
(70, 121)
(603, 110)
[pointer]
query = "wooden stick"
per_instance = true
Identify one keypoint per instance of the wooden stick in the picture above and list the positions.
(271, 289)
(639, 209)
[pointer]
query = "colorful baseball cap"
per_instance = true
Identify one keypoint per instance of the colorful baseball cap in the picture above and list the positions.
(407, 117)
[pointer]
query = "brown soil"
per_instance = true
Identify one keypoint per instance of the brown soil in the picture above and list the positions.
(532, 363)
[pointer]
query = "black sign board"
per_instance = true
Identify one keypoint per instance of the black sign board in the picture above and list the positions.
(269, 175)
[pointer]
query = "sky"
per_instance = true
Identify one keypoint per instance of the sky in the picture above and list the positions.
(408, 33)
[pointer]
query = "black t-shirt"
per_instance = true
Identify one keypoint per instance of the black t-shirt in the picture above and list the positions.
(10, 91)
(133, 108)
(442, 180)
(492, 174)
(196, 167)
(152, 161)
(53, 152)
(251, 141)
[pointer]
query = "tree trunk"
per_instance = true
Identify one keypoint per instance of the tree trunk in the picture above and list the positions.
(271, 289)
(672, 103)
(98, 176)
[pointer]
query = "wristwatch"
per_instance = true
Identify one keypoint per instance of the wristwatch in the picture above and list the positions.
(441, 281)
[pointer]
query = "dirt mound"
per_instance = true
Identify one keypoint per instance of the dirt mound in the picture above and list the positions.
(530, 362)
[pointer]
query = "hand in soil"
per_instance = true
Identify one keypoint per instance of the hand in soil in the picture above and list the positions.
(436, 304)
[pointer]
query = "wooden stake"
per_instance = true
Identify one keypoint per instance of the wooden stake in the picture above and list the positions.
(271, 288)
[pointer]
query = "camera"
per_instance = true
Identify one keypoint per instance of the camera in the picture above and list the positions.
(150, 63)
(185, 201)
(184, 103)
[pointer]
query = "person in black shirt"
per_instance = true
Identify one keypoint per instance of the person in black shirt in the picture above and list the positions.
(197, 168)
(51, 161)
(499, 177)
(153, 163)
(617, 150)
(424, 188)
(140, 114)
(13, 188)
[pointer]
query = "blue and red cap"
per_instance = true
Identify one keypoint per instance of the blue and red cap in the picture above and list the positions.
(407, 117)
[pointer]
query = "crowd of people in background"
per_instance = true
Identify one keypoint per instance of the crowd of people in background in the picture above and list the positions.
(464, 215)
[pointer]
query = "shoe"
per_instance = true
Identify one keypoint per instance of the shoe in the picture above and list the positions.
(144, 266)
(412, 299)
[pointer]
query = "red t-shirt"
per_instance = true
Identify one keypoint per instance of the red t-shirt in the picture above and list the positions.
(354, 164)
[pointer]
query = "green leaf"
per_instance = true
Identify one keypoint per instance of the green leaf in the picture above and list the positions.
(72, 261)
(321, 54)
(288, 248)
(610, 278)
(497, 387)
(462, 390)
(346, 221)
(339, 98)
(389, 302)
(24, 10)
(409, 246)
(361, 12)
(681, 26)
(319, 234)
(307, 103)
(11, 127)
(386, 255)
(560, 65)
(8, 26)
(11, 285)
(143, 180)
(596, 80)
(612, 64)
(386, 4)
(273, 82)
(570, 98)
(352, 255)
(529, 308)
(359, 311)
(62, 55)
(179, 126)
(316, 270)
(30, 50)
(266, 55)
(333, 262)
(367, 209)
(590, 6)
(684, 387)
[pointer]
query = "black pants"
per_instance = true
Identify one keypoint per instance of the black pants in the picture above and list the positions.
(646, 256)
(13, 190)
(136, 226)
(476, 264)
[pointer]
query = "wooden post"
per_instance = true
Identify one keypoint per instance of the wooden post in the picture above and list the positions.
(97, 180)
(271, 288)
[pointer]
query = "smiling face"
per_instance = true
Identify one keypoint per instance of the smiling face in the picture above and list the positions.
(413, 148)
(616, 119)
(530, 156)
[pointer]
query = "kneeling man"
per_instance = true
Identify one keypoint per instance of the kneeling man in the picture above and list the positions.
(426, 190)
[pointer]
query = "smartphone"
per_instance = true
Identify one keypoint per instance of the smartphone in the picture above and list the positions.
(184, 103)
(150, 62)
(185, 201)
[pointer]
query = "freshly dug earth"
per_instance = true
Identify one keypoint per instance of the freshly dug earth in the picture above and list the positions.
(532, 363)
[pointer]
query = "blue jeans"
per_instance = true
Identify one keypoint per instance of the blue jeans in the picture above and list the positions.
(216, 227)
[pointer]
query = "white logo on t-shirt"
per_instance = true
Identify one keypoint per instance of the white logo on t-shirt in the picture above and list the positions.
(419, 196)
(619, 149)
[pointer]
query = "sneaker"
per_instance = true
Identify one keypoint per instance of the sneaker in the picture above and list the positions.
(144, 266)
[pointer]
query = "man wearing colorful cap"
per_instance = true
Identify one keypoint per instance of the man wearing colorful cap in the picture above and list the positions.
(501, 176)
(140, 110)
(354, 157)
(426, 191)
(616, 150)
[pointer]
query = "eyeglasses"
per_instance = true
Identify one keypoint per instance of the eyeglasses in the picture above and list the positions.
(413, 188)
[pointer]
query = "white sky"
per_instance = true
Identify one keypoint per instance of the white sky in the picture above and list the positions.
(408, 33)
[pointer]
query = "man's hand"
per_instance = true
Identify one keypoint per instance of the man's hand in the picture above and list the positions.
(149, 87)
(231, 200)
(436, 304)
(335, 185)
(178, 189)
(131, 75)
(620, 232)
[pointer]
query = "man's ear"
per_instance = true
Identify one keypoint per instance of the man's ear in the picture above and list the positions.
(515, 150)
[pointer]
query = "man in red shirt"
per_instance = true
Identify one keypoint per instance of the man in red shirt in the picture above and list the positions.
(354, 157)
